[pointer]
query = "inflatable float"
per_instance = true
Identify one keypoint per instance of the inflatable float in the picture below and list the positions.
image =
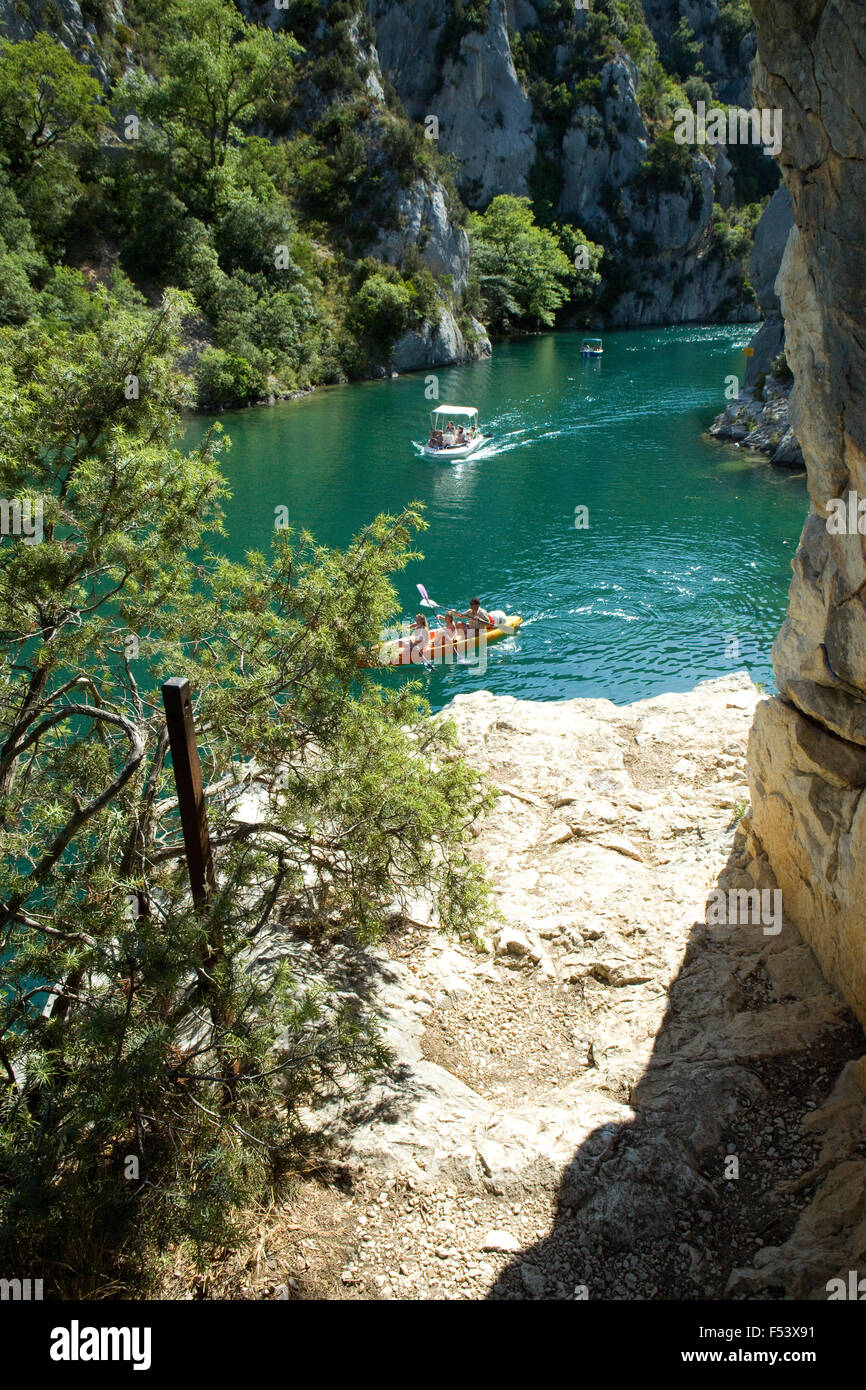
(393, 651)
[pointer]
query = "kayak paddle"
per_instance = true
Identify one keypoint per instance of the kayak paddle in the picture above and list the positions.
(427, 602)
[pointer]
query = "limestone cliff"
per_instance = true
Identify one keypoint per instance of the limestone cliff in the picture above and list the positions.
(467, 79)
(808, 745)
(765, 262)
(759, 418)
(564, 107)
(410, 213)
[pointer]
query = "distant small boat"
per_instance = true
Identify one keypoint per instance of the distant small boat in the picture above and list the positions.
(591, 347)
(457, 442)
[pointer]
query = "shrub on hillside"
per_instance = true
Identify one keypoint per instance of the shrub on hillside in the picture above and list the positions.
(256, 237)
(780, 370)
(734, 23)
(380, 310)
(668, 167)
(226, 380)
(523, 272)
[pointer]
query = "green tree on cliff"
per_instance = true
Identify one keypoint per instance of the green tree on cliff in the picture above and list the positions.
(524, 273)
(50, 112)
(47, 101)
(218, 73)
(141, 1096)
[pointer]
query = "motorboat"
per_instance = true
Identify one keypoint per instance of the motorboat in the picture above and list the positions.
(454, 432)
(591, 347)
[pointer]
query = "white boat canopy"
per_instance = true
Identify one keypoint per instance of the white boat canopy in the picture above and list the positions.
(454, 412)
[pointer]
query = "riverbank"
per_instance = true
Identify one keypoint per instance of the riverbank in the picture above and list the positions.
(566, 1098)
(758, 420)
(432, 346)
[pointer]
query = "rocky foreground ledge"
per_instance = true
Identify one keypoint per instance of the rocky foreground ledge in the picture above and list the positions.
(609, 1098)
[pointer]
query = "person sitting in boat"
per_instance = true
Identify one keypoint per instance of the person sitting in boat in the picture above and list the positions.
(462, 437)
(436, 441)
(450, 437)
(476, 620)
(414, 647)
(443, 639)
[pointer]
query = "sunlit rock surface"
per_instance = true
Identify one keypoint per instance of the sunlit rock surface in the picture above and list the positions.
(808, 748)
(567, 1095)
(469, 83)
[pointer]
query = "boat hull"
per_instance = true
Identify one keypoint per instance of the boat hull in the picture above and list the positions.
(459, 451)
(393, 652)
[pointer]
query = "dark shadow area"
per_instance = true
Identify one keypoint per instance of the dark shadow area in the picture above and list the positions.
(752, 1040)
(343, 969)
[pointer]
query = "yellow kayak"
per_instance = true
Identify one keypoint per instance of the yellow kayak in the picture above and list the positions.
(393, 652)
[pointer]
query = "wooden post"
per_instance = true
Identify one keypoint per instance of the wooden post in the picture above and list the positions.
(190, 795)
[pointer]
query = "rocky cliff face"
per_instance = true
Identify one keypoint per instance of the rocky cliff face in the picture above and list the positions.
(760, 419)
(469, 83)
(765, 262)
(405, 217)
(422, 220)
(808, 746)
(663, 234)
(529, 99)
(488, 82)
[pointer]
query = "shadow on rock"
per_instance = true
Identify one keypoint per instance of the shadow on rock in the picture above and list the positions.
(708, 1191)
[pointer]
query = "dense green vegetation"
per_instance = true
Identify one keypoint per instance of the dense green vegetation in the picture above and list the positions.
(668, 168)
(167, 181)
(102, 956)
(523, 271)
(248, 167)
(735, 22)
(256, 170)
(733, 231)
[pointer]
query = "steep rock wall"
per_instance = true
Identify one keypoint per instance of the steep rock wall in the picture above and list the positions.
(660, 241)
(808, 746)
(765, 262)
(727, 63)
(470, 85)
(759, 418)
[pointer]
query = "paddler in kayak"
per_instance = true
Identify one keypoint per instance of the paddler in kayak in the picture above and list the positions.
(476, 620)
(414, 647)
(443, 639)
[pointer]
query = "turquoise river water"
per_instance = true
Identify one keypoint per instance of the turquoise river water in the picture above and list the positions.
(681, 573)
